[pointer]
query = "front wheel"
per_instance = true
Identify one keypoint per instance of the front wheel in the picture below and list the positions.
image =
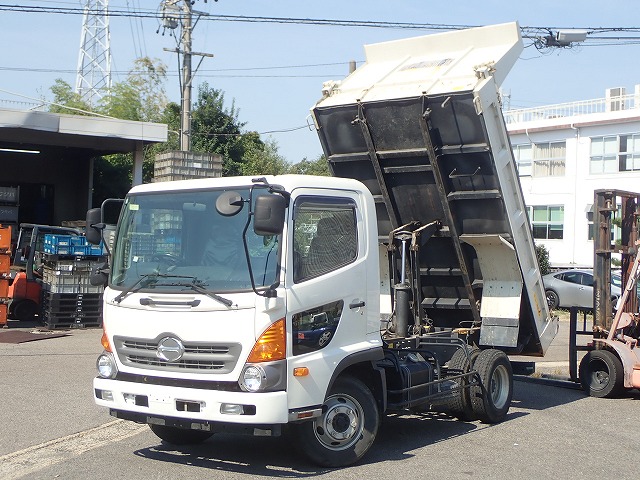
(180, 436)
(601, 374)
(492, 398)
(345, 430)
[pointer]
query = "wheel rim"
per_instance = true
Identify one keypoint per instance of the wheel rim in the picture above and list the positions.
(599, 375)
(499, 386)
(342, 423)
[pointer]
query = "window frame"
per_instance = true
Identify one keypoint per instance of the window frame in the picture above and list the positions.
(330, 204)
(535, 159)
(549, 225)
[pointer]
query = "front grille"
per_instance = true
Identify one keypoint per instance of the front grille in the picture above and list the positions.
(156, 362)
(198, 357)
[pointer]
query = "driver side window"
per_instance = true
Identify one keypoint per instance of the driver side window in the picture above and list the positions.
(325, 236)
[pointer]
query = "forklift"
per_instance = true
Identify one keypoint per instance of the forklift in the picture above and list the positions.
(26, 270)
(612, 362)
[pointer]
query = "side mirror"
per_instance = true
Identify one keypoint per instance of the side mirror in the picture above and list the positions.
(269, 214)
(99, 275)
(94, 226)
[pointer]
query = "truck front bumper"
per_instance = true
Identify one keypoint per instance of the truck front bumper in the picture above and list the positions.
(164, 405)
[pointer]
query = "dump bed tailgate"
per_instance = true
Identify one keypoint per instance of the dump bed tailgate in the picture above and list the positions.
(420, 125)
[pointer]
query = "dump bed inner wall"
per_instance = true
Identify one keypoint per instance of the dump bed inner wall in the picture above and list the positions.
(427, 158)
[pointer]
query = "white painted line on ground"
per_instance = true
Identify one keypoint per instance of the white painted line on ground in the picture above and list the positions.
(24, 462)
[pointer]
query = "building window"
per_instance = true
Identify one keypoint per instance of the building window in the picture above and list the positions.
(549, 159)
(547, 221)
(540, 159)
(523, 157)
(615, 153)
(629, 152)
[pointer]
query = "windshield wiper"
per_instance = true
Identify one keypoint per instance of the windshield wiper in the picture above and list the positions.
(197, 286)
(146, 280)
(143, 281)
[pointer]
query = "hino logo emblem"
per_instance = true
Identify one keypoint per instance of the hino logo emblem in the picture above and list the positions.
(170, 349)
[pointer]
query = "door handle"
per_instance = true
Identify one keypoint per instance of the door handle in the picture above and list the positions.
(356, 305)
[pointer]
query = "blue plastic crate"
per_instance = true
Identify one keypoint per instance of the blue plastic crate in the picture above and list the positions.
(58, 240)
(78, 241)
(57, 249)
(81, 250)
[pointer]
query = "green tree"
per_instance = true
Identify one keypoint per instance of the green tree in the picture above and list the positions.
(543, 259)
(216, 129)
(141, 96)
(263, 159)
(320, 166)
(65, 100)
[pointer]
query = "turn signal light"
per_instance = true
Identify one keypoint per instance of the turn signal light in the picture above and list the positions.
(300, 372)
(271, 345)
(105, 342)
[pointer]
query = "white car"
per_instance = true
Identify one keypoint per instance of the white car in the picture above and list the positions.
(573, 288)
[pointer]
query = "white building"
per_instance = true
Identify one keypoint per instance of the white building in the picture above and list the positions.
(564, 152)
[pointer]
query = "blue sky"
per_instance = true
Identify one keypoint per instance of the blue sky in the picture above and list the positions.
(274, 99)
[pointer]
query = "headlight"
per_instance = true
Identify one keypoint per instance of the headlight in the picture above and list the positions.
(106, 365)
(253, 378)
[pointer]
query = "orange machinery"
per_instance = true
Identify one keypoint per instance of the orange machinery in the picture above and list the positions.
(5, 265)
(25, 291)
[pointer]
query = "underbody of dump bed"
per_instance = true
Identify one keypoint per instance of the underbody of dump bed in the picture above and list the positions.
(420, 125)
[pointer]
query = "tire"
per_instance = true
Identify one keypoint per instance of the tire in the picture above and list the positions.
(601, 374)
(24, 310)
(180, 436)
(460, 405)
(346, 429)
(491, 400)
(553, 301)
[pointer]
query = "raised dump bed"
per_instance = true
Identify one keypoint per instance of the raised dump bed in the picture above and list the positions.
(420, 124)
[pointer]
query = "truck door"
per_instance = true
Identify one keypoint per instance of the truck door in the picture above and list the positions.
(327, 294)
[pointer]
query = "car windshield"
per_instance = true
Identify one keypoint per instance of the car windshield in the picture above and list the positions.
(182, 234)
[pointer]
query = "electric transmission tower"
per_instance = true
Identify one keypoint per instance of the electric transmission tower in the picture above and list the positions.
(93, 79)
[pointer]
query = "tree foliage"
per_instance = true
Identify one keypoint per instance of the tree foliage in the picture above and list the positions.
(65, 100)
(543, 259)
(320, 166)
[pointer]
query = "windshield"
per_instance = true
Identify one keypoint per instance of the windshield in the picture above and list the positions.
(182, 234)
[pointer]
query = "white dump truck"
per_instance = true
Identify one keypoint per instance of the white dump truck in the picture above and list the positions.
(312, 306)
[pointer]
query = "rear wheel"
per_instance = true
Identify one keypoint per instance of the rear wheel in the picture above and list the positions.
(180, 436)
(601, 374)
(345, 430)
(553, 301)
(24, 310)
(460, 405)
(491, 400)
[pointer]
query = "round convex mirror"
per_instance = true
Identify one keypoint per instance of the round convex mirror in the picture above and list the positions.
(229, 203)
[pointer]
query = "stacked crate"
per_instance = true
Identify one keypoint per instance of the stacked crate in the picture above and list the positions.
(5, 264)
(68, 298)
(178, 165)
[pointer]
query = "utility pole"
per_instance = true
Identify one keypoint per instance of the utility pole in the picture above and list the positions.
(185, 119)
(184, 163)
(173, 16)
